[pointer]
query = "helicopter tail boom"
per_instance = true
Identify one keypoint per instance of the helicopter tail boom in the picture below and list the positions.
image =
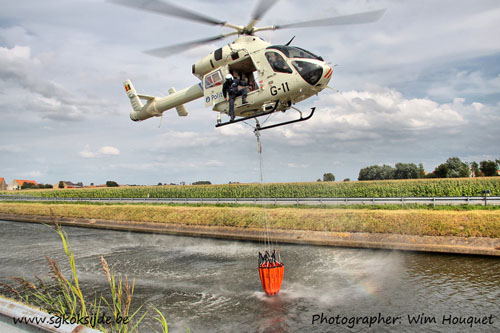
(155, 106)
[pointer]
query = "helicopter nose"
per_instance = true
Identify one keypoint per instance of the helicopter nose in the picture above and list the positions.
(328, 72)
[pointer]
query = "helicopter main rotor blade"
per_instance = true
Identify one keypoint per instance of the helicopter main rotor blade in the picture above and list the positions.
(166, 51)
(165, 8)
(260, 10)
(360, 18)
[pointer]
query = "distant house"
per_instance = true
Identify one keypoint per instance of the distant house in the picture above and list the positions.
(3, 184)
(68, 184)
(17, 183)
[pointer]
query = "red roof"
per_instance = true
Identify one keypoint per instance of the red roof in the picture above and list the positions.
(21, 182)
(1, 179)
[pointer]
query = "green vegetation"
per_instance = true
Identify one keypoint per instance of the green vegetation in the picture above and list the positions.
(26, 186)
(65, 297)
(431, 222)
(453, 168)
(489, 168)
(328, 177)
(405, 206)
(449, 187)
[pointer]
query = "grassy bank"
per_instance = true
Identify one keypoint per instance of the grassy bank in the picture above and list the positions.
(463, 223)
(378, 189)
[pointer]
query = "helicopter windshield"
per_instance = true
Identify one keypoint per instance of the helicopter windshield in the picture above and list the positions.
(295, 52)
(278, 63)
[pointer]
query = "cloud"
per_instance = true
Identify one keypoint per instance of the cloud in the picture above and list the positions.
(465, 83)
(108, 150)
(173, 140)
(33, 174)
(103, 151)
(11, 149)
(45, 97)
(298, 166)
(378, 113)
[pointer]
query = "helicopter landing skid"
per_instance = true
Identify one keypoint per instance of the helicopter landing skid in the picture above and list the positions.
(261, 128)
(249, 117)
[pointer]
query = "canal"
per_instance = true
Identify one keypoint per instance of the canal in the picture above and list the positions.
(210, 285)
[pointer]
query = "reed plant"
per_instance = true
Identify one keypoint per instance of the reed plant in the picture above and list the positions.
(65, 298)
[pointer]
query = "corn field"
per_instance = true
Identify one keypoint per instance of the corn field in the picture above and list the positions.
(456, 187)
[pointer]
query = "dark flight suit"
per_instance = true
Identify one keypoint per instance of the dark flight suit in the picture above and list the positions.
(230, 88)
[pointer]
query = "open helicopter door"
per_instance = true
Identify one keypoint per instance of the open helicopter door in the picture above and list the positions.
(212, 86)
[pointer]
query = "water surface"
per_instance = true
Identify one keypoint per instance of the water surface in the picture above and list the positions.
(213, 285)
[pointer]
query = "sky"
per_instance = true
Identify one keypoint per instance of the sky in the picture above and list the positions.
(420, 85)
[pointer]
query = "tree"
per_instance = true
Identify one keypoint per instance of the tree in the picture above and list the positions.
(376, 172)
(111, 183)
(474, 167)
(405, 171)
(441, 171)
(202, 182)
(347, 179)
(328, 177)
(453, 168)
(27, 185)
(61, 184)
(421, 171)
(488, 168)
(457, 168)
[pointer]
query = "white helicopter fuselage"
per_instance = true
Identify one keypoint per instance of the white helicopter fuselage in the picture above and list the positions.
(279, 76)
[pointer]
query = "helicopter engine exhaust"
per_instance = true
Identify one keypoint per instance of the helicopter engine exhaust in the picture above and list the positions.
(155, 106)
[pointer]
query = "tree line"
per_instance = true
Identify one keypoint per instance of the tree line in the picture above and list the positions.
(27, 186)
(452, 168)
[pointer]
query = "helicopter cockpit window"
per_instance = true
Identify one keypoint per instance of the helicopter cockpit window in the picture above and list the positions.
(295, 52)
(213, 79)
(277, 62)
(310, 72)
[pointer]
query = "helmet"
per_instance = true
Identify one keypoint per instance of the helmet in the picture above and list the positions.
(229, 77)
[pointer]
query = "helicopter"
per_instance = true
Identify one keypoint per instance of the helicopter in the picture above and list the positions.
(278, 76)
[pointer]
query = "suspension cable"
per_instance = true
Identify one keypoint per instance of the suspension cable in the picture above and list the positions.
(267, 241)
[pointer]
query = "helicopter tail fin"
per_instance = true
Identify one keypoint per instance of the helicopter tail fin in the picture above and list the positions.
(181, 109)
(132, 94)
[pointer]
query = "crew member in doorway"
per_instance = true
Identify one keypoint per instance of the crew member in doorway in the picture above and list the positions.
(231, 90)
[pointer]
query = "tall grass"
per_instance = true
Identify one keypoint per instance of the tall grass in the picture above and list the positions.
(65, 298)
(409, 221)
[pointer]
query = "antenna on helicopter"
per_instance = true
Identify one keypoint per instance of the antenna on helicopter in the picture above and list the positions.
(290, 41)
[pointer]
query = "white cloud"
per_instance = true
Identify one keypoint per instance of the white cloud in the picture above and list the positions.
(298, 166)
(385, 109)
(33, 174)
(173, 140)
(106, 150)
(11, 149)
(86, 153)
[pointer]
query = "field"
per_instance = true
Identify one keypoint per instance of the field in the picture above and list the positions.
(464, 223)
(456, 187)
